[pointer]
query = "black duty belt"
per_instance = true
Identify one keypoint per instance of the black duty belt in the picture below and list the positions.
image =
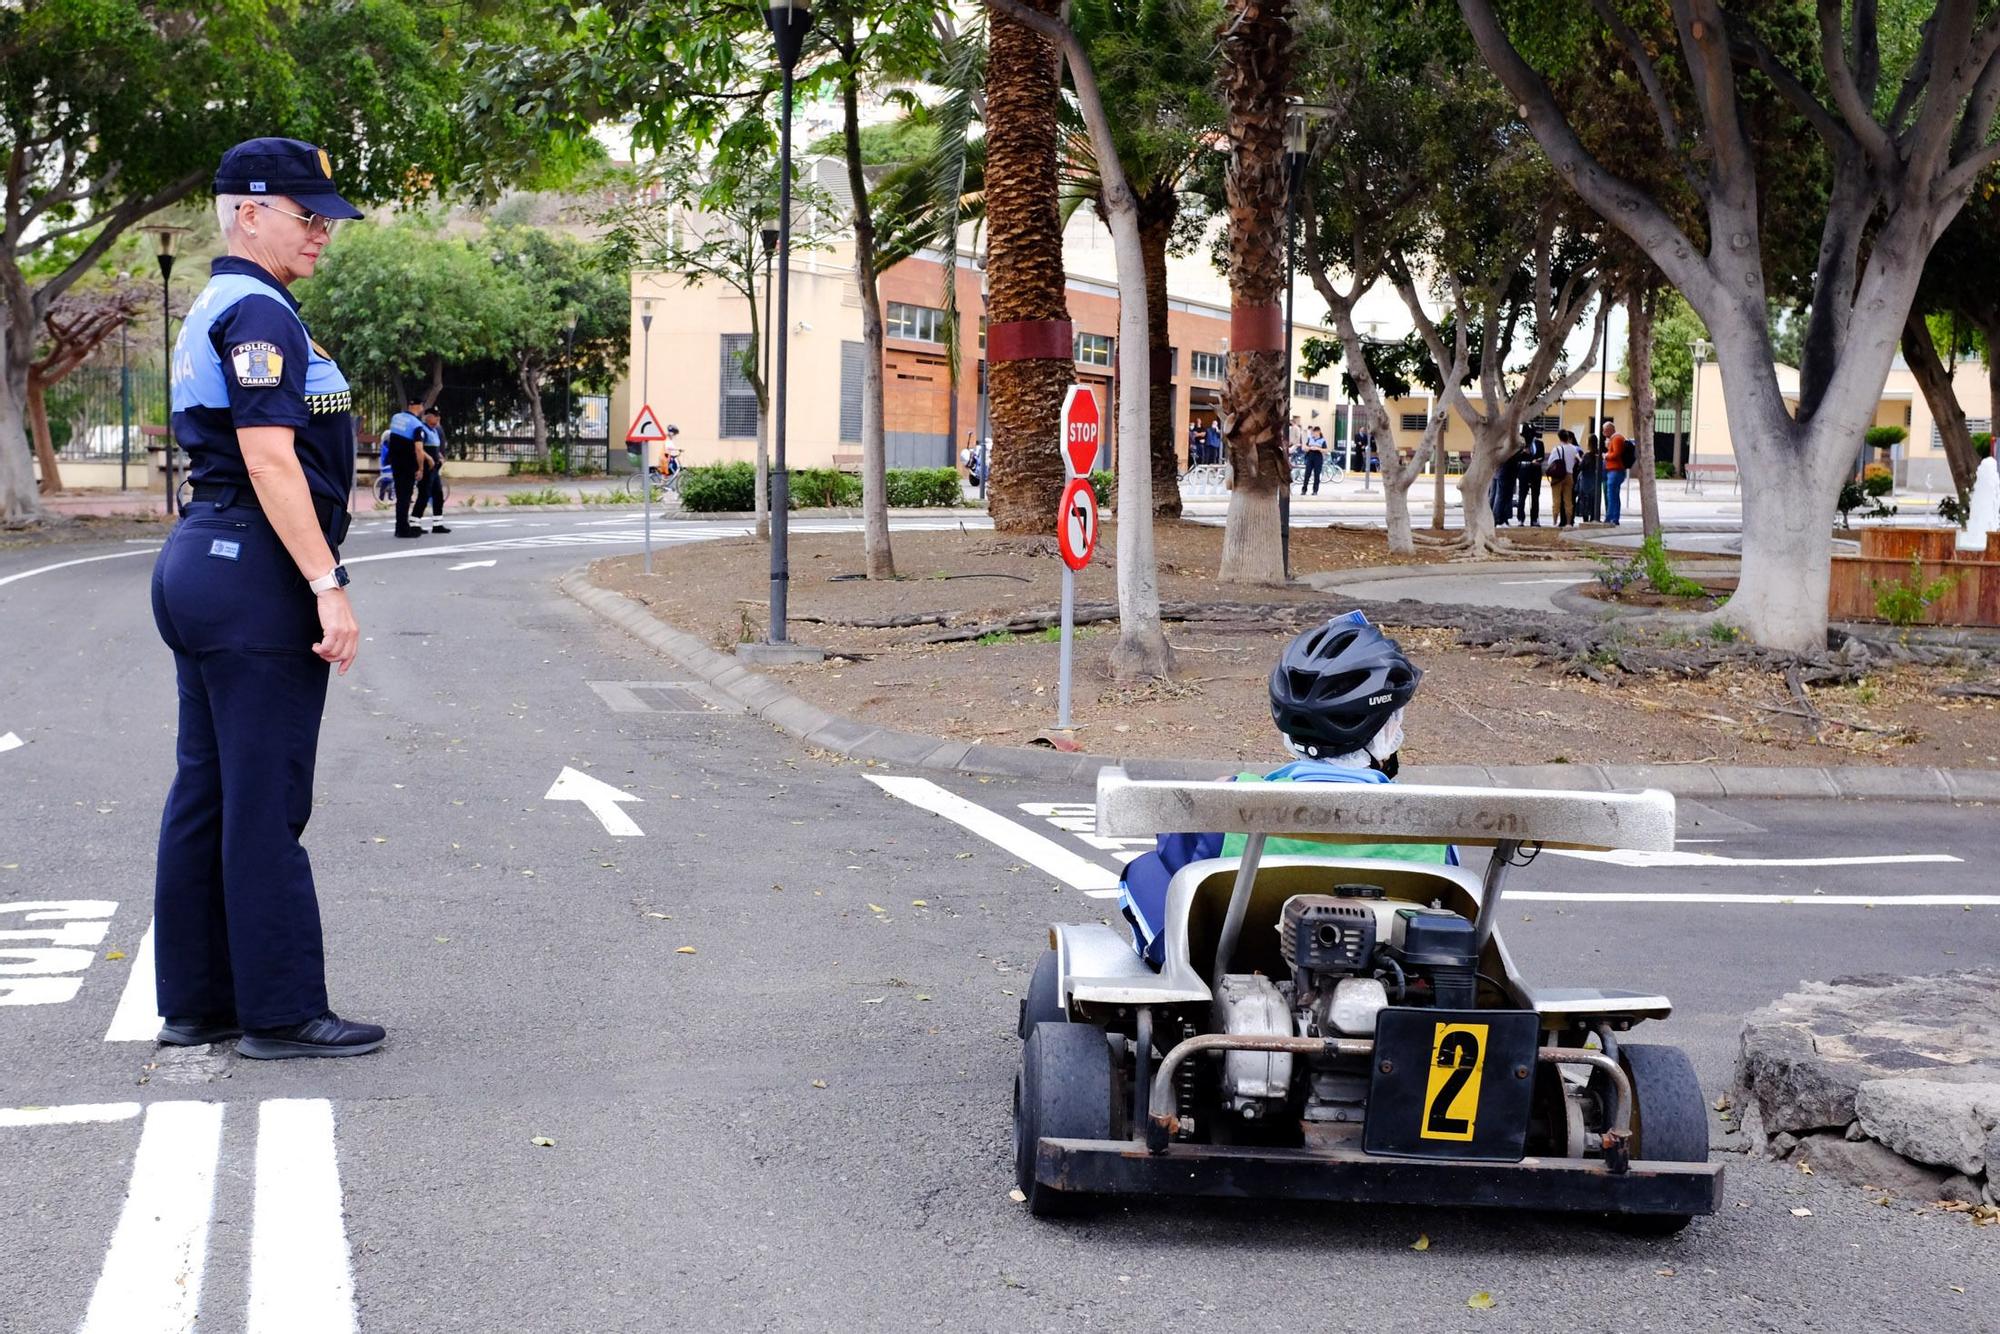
(332, 515)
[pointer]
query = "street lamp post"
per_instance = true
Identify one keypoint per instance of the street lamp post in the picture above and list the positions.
(166, 244)
(788, 20)
(124, 393)
(1298, 153)
(768, 236)
(1702, 350)
(569, 377)
(646, 397)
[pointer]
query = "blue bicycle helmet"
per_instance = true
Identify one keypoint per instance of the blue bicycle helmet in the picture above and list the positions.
(1336, 685)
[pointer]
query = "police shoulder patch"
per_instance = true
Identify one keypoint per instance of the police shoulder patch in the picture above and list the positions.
(257, 365)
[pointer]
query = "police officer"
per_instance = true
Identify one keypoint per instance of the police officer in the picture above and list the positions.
(250, 595)
(404, 444)
(430, 487)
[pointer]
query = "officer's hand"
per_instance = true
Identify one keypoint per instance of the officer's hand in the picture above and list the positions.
(340, 634)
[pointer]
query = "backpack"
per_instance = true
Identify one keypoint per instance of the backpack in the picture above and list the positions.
(1558, 466)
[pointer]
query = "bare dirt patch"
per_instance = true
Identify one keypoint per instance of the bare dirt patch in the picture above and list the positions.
(1477, 705)
(67, 530)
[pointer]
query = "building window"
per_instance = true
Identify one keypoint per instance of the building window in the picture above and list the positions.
(738, 410)
(1548, 421)
(851, 365)
(1208, 365)
(1093, 350)
(1173, 362)
(920, 324)
(1307, 389)
(1415, 421)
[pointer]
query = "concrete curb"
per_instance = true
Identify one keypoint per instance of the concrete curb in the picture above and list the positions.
(766, 699)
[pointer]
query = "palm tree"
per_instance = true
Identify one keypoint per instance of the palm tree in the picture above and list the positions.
(1028, 353)
(1256, 70)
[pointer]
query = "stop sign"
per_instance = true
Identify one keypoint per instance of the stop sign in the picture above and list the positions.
(1082, 430)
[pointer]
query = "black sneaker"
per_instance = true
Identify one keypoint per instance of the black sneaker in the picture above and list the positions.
(439, 528)
(197, 1032)
(328, 1035)
(409, 532)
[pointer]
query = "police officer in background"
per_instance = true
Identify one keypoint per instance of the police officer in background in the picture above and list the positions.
(404, 442)
(430, 486)
(250, 595)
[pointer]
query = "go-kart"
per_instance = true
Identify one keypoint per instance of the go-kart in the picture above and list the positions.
(1353, 1029)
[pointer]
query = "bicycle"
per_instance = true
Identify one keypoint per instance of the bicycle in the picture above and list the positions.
(385, 486)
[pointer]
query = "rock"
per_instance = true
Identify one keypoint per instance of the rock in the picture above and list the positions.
(1931, 1122)
(1783, 1143)
(1866, 1163)
(1855, 1132)
(1788, 1084)
(1962, 1189)
(1993, 1190)
(1755, 1141)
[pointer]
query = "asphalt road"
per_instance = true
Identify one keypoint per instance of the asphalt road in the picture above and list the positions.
(530, 968)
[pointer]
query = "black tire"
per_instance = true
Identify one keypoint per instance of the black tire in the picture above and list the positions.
(1043, 1002)
(1063, 1091)
(1669, 1122)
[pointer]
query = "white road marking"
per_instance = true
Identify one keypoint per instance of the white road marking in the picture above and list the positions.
(137, 1017)
(8, 741)
(151, 1281)
(599, 798)
(475, 565)
(300, 1282)
(1801, 900)
(76, 1114)
(65, 564)
(1654, 860)
(1535, 583)
(1018, 840)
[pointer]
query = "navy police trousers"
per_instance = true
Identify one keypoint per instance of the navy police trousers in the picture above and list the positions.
(236, 925)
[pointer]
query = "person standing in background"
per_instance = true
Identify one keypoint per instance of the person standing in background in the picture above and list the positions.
(1561, 472)
(430, 485)
(1315, 461)
(1590, 479)
(1528, 478)
(406, 461)
(1617, 462)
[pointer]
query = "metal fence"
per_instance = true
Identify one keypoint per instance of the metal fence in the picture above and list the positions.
(96, 410)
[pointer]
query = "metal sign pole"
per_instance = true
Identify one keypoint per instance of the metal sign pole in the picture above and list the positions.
(1068, 638)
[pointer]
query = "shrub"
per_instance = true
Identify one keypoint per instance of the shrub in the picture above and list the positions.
(1660, 572)
(1905, 601)
(548, 495)
(823, 488)
(1877, 481)
(924, 488)
(1105, 484)
(719, 488)
(1982, 443)
(1885, 437)
(1616, 575)
(1662, 470)
(1955, 510)
(1853, 496)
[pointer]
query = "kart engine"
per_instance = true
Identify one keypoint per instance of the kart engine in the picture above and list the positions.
(1351, 954)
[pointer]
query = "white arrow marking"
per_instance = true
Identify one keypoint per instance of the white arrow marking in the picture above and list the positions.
(9, 742)
(475, 564)
(599, 797)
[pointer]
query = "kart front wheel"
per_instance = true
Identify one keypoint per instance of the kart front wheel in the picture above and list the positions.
(1669, 1121)
(1062, 1092)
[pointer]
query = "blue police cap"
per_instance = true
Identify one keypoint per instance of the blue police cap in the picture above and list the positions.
(290, 167)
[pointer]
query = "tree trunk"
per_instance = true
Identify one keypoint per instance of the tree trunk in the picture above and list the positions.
(436, 385)
(18, 502)
(1935, 381)
(881, 561)
(38, 427)
(1256, 76)
(1640, 307)
(1030, 361)
(1156, 223)
(531, 387)
(1492, 443)
(1788, 518)
(1437, 499)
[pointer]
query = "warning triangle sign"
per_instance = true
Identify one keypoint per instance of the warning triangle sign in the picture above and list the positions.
(646, 426)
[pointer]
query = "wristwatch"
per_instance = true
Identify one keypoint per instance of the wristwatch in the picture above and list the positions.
(332, 579)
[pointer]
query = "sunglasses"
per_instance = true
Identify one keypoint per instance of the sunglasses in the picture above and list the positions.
(314, 222)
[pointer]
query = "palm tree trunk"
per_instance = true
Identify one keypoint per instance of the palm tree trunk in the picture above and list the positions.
(1030, 359)
(1157, 209)
(1256, 73)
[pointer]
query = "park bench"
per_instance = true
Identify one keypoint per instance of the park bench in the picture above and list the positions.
(1697, 472)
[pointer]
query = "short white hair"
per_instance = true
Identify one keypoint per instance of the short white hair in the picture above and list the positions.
(228, 208)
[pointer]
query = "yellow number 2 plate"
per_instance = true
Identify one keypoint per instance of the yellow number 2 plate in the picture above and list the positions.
(1451, 1094)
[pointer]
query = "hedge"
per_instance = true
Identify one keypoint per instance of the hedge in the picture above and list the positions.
(730, 488)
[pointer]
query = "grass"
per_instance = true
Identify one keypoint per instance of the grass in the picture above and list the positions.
(548, 495)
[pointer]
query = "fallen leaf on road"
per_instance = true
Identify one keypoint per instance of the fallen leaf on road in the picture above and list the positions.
(920, 903)
(542, 1142)
(1802, 1213)
(962, 856)
(876, 907)
(1664, 1273)
(1422, 1243)
(1017, 1197)
(662, 916)
(442, 940)
(114, 954)
(1722, 1103)
(1805, 1168)
(874, 1000)
(380, 839)
(819, 1083)
(922, 997)
(1954, 1287)
(1480, 1301)
(685, 949)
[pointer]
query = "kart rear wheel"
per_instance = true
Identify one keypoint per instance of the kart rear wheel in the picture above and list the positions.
(1063, 1091)
(1669, 1121)
(1043, 1002)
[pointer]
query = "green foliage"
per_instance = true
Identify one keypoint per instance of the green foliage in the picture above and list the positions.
(1659, 571)
(400, 302)
(1905, 601)
(719, 488)
(1724, 634)
(885, 143)
(1662, 470)
(548, 495)
(1615, 575)
(1674, 328)
(824, 488)
(1105, 485)
(924, 488)
(1854, 496)
(992, 637)
(1886, 437)
(1877, 481)
(1955, 510)
(1982, 444)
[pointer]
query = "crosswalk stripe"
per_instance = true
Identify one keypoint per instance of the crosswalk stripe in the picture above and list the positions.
(151, 1281)
(1094, 879)
(300, 1282)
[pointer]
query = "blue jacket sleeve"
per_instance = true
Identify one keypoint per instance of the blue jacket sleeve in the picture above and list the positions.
(264, 352)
